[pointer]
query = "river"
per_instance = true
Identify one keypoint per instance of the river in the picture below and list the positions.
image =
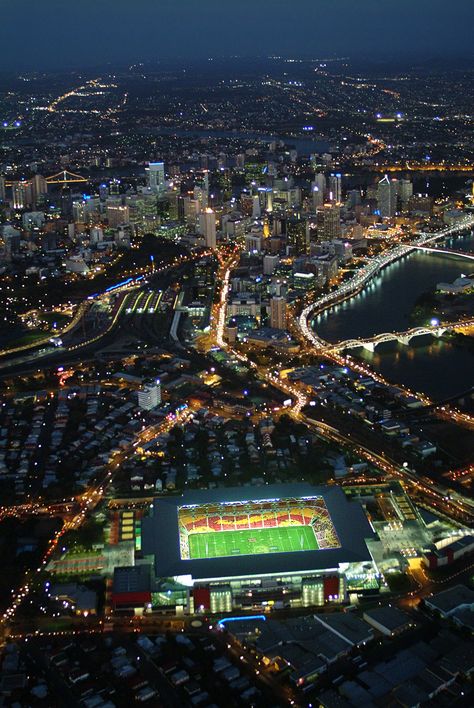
(433, 367)
(304, 145)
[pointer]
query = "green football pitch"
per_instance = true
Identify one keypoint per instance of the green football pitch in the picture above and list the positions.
(218, 544)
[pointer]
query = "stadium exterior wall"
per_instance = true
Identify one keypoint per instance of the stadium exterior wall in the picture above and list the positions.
(299, 578)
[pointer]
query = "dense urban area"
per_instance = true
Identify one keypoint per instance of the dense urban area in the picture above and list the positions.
(236, 385)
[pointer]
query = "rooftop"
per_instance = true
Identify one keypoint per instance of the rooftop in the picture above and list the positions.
(390, 617)
(350, 628)
(130, 579)
(448, 600)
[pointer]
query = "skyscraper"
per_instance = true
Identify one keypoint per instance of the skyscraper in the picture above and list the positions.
(117, 215)
(278, 312)
(266, 198)
(191, 210)
(405, 191)
(202, 196)
(270, 262)
(335, 188)
(155, 173)
(40, 188)
(207, 224)
(22, 194)
(331, 222)
(297, 236)
(386, 197)
(318, 189)
(256, 209)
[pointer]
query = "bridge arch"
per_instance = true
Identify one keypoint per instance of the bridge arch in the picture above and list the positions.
(405, 338)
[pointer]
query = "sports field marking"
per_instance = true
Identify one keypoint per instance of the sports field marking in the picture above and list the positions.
(252, 542)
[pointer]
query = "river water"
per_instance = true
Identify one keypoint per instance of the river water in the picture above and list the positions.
(304, 145)
(430, 366)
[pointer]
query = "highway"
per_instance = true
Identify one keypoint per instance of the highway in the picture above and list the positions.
(440, 500)
(365, 275)
(354, 286)
(423, 489)
(434, 497)
(43, 349)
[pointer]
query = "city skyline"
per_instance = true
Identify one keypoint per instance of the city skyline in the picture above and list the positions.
(236, 353)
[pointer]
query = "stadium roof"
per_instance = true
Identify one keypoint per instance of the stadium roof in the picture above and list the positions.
(160, 534)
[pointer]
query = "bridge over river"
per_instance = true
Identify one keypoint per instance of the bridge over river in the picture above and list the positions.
(370, 343)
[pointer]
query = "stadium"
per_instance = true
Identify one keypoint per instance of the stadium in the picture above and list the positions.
(289, 546)
(255, 527)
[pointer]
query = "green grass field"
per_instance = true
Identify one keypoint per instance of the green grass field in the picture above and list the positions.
(218, 544)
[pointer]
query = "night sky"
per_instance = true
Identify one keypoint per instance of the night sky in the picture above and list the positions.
(52, 34)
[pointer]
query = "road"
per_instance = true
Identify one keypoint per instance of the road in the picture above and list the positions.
(433, 497)
(366, 273)
(87, 502)
(42, 350)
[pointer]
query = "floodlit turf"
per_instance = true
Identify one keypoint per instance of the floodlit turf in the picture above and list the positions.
(252, 541)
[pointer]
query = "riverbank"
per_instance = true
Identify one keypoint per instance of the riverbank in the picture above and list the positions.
(435, 367)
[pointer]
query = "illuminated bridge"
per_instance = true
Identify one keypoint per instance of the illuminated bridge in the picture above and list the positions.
(367, 272)
(64, 178)
(370, 343)
(403, 337)
(446, 252)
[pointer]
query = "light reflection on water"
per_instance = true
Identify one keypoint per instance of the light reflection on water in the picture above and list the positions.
(431, 366)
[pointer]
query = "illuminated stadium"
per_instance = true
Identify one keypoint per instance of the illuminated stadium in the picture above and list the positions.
(255, 527)
(292, 545)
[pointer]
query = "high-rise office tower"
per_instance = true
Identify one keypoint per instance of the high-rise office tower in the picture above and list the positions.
(40, 188)
(405, 191)
(79, 210)
(335, 188)
(22, 192)
(278, 312)
(103, 191)
(353, 198)
(202, 196)
(114, 186)
(331, 222)
(315, 161)
(66, 201)
(256, 209)
(318, 189)
(3, 191)
(207, 224)
(395, 187)
(118, 215)
(386, 198)
(253, 242)
(155, 174)
(266, 196)
(297, 236)
(270, 262)
(191, 210)
(96, 235)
